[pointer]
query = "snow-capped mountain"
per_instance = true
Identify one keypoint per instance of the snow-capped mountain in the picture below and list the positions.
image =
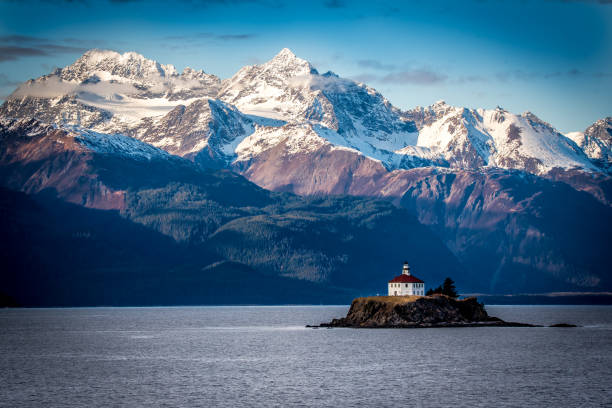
(207, 130)
(487, 181)
(290, 89)
(73, 162)
(596, 141)
(76, 138)
(474, 138)
(194, 114)
(108, 92)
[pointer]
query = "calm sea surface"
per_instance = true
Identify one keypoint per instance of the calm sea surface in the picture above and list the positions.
(263, 356)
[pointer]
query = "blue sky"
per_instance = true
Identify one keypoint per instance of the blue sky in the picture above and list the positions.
(551, 57)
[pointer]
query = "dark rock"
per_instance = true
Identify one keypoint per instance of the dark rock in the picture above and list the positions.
(562, 325)
(418, 312)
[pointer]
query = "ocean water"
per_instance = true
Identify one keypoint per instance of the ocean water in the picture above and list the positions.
(264, 356)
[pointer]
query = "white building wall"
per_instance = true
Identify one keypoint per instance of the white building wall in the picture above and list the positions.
(406, 289)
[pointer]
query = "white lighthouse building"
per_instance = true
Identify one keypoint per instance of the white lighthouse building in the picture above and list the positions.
(406, 284)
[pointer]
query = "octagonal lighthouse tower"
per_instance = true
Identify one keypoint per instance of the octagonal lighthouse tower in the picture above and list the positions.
(406, 284)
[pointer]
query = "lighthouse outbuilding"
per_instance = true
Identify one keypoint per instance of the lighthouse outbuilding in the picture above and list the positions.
(406, 284)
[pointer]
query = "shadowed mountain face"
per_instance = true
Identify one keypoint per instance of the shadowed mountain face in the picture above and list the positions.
(179, 228)
(513, 231)
(503, 201)
(59, 254)
(517, 233)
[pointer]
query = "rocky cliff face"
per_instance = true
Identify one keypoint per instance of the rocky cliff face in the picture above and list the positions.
(416, 312)
(209, 132)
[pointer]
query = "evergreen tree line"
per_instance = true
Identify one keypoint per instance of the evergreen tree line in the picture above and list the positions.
(447, 288)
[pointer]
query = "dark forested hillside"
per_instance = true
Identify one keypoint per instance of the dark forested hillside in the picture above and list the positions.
(181, 244)
(132, 224)
(58, 254)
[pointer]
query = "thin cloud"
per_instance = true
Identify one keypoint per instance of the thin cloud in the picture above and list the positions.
(420, 76)
(11, 53)
(601, 2)
(229, 37)
(14, 47)
(50, 1)
(209, 3)
(375, 64)
(89, 42)
(18, 39)
(604, 2)
(62, 49)
(122, 2)
(416, 76)
(365, 78)
(210, 36)
(532, 75)
(471, 79)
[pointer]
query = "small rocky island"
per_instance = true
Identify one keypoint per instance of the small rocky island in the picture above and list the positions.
(417, 312)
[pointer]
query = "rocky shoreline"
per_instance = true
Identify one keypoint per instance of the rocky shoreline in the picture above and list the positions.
(418, 312)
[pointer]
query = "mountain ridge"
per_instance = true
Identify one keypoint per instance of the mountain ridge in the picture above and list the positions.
(486, 182)
(288, 89)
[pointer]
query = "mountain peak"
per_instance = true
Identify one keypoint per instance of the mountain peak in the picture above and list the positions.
(285, 53)
(98, 54)
(439, 104)
(130, 65)
(95, 56)
(286, 65)
(534, 120)
(287, 58)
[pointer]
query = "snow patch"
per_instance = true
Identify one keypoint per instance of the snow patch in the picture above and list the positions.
(115, 144)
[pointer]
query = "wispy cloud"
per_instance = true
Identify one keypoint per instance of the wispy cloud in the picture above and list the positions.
(416, 76)
(518, 3)
(471, 79)
(533, 75)
(15, 46)
(229, 37)
(606, 2)
(419, 76)
(375, 64)
(48, 1)
(210, 36)
(124, 2)
(365, 78)
(11, 53)
(207, 3)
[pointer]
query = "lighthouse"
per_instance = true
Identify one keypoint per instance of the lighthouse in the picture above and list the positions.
(406, 284)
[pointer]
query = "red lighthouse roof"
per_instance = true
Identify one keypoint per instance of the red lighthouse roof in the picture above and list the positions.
(403, 278)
